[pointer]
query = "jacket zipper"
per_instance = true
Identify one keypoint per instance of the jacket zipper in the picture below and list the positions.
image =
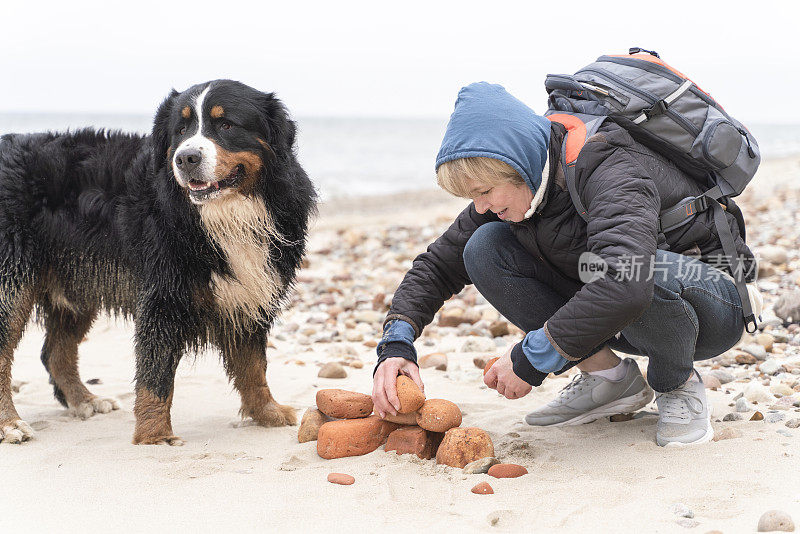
(647, 97)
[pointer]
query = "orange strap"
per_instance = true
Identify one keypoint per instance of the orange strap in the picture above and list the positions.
(576, 134)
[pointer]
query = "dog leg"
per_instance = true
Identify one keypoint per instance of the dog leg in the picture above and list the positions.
(15, 308)
(159, 347)
(65, 330)
(246, 364)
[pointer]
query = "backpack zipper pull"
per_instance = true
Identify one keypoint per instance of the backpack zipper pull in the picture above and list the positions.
(750, 151)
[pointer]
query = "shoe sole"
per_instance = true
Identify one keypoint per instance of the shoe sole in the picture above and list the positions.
(623, 405)
(708, 436)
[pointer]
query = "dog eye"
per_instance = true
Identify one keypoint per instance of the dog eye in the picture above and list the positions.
(225, 125)
(182, 130)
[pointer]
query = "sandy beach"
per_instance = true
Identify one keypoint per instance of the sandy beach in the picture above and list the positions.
(86, 476)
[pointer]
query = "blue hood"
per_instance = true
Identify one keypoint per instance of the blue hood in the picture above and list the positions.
(489, 122)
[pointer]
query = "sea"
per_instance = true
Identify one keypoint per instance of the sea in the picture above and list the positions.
(351, 157)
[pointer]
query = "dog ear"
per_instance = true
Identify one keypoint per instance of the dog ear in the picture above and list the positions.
(282, 129)
(161, 134)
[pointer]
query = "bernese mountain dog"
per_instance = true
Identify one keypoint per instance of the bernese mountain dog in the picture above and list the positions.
(195, 232)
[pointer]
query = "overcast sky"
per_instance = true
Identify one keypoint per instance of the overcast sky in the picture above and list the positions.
(373, 58)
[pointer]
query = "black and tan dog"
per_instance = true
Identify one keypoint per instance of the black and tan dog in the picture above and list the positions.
(195, 232)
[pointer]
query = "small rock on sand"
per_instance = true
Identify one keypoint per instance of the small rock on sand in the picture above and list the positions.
(781, 389)
(733, 416)
(775, 520)
(757, 416)
(312, 420)
(741, 405)
(787, 307)
(793, 423)
(755, 392)
(461, 446)
(507, 471)
(342, 404)
(480, 466)
(712, 382)
(681, 510)
(757, 351)
(482, 488)
(437, 360)
(498, 329)
(478, 344)
(332, 370)
(341, 478)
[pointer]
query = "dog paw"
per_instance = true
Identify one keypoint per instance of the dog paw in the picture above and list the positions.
(94, 405)
(275, 415)
(173, 441)
(15, 431)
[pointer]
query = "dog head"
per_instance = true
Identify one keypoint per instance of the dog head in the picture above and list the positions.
(220, 138)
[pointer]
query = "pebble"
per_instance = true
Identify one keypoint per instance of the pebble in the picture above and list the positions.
(478, 344)
(480, 466)
(728, 432)
(439, 415)
(409, 419)
(712, 382)
(480, 362)
(722, 375)
(781, 390)
(687, 523)
(793, 423)
(507, 471)
(482, 488)
(452, 317)
(411, 440)
(755, 392)
(733, 417)
(773, 254)
(774, 417)
(489, 365)
(411, 397)
(342, 404)
(341, 478)
(787, 307)
(770, 367)
(499, 329)
(461, 446)
(755, 350)
(332, 370)
(741, 405)
(310, 424)
(766, 341)
(784, 432)
(775, 520)
(681, 510)
(352, 437)
(757, 416)
(745, 359)
(438, 360)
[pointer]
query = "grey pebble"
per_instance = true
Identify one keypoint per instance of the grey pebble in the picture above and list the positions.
(742, 406)
(681, 510)
(480, 466)
(733, 417)
(770, 367)
(793, 423)
(687, 523)
(774, 417)
(757, 351)
(722, 375)
(784, 432)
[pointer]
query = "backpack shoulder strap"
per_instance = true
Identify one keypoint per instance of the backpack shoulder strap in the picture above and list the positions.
(579, 128)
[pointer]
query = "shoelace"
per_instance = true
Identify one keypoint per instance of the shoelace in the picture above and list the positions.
(572, 388)
(678, 403)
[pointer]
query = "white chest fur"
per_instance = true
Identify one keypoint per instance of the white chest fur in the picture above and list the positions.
(243, 229)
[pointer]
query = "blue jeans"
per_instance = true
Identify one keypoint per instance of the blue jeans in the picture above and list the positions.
(695, 314)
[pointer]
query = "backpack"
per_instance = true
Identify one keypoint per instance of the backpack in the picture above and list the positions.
(664, 110)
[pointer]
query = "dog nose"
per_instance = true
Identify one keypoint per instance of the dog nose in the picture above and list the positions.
(188, 159)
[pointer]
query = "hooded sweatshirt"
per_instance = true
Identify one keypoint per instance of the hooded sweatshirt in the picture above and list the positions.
(489, 122)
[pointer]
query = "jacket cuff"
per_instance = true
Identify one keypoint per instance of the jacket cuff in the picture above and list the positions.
(523, 368)
(396, 349)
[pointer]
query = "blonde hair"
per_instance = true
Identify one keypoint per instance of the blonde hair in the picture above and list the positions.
(452, 175)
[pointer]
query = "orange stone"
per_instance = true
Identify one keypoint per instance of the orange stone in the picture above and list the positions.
(352, 437)
(411, 440)
(461, 446)
(489, 365)
(409, 419)
(411, 397)
(341, 404)
(340, 478)
(439, 415)
(483, 489)
(507, 471)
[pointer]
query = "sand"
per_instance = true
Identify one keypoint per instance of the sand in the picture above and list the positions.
(79, 476)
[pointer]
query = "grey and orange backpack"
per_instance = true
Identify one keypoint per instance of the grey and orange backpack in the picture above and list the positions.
(666, 111)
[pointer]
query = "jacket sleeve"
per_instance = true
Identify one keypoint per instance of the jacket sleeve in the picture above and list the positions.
(622, 207)
(438, 273)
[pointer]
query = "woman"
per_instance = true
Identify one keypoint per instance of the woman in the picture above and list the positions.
(521, 242)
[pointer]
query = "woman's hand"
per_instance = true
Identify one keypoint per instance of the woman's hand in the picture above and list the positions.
(384, 384)
(501, 377)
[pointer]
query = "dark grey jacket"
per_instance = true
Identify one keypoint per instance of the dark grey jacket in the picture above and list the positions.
(624, 186)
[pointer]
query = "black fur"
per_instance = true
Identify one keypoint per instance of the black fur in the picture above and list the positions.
(99, 218)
